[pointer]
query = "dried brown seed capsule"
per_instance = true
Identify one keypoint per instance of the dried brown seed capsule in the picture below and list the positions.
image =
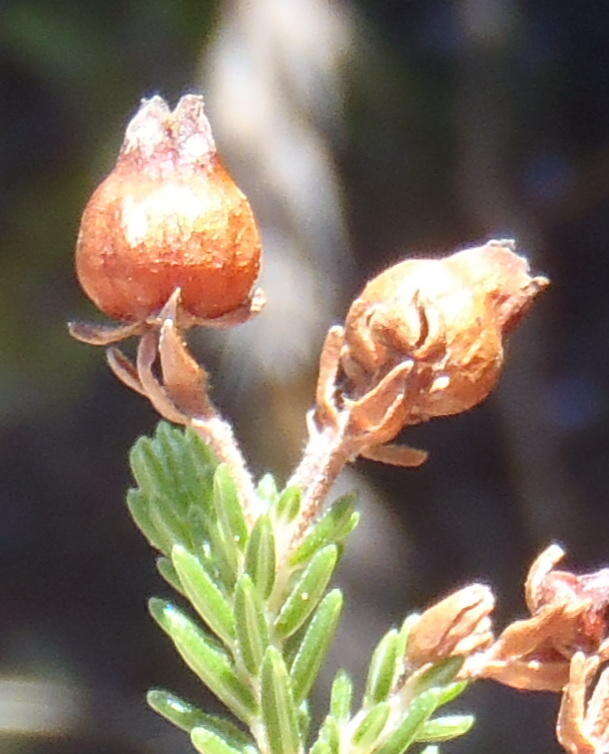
(448, 316)
(168, 216)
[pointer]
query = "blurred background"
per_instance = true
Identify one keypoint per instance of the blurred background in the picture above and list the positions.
(362, 131)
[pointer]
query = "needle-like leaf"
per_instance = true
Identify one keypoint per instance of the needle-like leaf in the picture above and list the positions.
(341, 696)
(333, 527)
(371, 726)
(288, 503)
(306, 592)
(260, 555)
(203, 593)
(186, 716)
(279, 712)
(381, 673)
(445, 728)
(419, 710)
(266, 489)
(168, 572)
(205, 658)
(228, 507)
(208, 742)
(315, 644)
(252, 629)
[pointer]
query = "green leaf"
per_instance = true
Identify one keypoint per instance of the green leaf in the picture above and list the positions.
(306, 592)
(260, 555)
(418, 712)
(223, 553)
(148, 468)
(205, 658)
(199, 526)
(279, 712)
(321, 746)
(304, 721)
(168, 572)
(186, 716)
(174, 453)
(440, 674)
(333, 527)
(372, 725)
(228, 507)
(341, 696)
(381, 673)
(330, 733)
(175, 469)
(214, 562)
(252, 629)
(208, 742)
(402, 642)
(315, 644)
(267, 489)
(451, 691)
(445, 728)
(137, 502)
(204, 543)
(204, 463)
(205, 596)
(288, 503)
(190, 464)
(167, 522)
(176, 710)
(203, 456)
(291, 645)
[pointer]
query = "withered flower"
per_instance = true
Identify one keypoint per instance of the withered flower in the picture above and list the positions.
(460, 624)
(569, 614)
(168, 216)
(448, 316)
(423, 339)
(167, 241)
(583, 720)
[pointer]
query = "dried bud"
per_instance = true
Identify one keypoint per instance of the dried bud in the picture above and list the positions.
(168, 216)
(458, 625)
(448, 316)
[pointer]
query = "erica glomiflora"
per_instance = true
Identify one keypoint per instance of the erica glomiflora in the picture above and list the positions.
(167, 242)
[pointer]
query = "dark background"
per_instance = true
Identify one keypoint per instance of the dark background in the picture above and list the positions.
(361, 131)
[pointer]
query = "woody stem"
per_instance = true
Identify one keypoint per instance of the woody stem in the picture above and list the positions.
(218, 433)
(327, 452)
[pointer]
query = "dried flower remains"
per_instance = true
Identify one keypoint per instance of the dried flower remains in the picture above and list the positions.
(423, 339)
(569, 614)
(168, 216)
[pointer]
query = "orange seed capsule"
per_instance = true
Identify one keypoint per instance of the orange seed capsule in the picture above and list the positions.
(168, 215)
(448, 316)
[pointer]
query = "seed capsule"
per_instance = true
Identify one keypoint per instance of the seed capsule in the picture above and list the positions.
(446, 315)
(168, 215)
